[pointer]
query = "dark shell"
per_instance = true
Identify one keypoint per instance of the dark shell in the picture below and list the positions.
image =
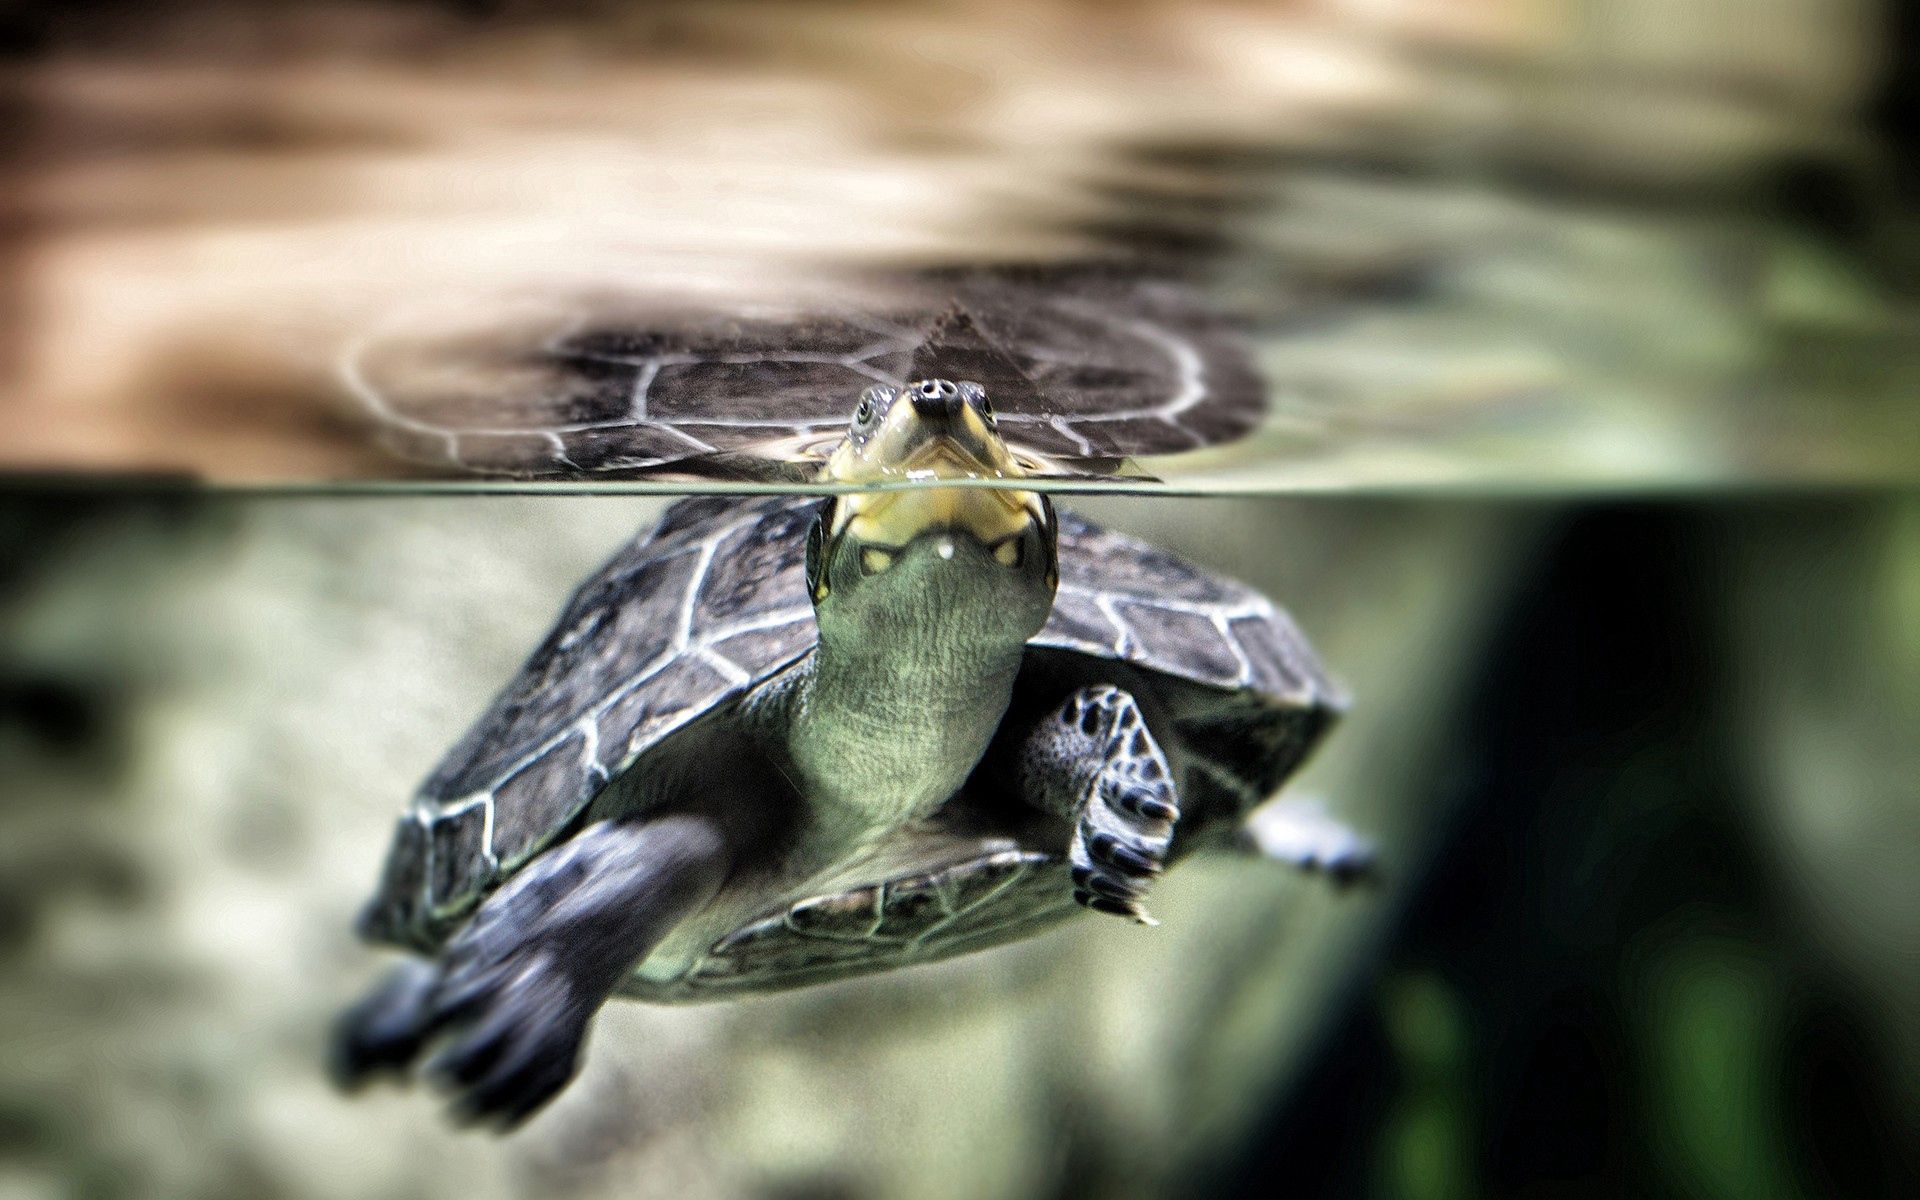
(712, 602)
(688, 615)
(971, 905)
(1083, 366)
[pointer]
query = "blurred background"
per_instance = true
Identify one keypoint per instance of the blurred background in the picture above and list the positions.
(1568, 244)
(1592, 473)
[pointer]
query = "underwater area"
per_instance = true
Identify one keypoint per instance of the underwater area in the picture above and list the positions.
(1587, 459)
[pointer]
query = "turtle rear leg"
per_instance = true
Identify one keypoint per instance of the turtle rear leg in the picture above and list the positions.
(1094, 761)
(511, 996)
(1300, 834)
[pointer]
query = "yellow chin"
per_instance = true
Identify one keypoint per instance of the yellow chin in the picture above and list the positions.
(896, 518)
(905, 450)
(905, 447)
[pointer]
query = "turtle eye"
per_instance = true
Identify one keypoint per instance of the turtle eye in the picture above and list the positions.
(868, 410)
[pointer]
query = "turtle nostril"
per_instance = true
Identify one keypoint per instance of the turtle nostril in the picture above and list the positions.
(935, 397)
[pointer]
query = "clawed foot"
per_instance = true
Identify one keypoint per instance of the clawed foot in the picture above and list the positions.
(509, 1031)
(1126, 823)
(1120, 845)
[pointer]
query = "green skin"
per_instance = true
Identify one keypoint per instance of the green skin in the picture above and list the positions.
(913, 672)
(920, 635)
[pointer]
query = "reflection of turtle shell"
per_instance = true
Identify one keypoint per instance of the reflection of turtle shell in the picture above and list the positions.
(1080, 366)
(712, 604)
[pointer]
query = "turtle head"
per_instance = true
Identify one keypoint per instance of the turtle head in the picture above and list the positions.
(971, 558)
(929, 429)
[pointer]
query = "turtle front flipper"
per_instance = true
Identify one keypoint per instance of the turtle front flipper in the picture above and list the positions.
(510, 998)
(1094, 761)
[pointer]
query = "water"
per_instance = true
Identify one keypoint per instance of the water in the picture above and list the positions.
(1460, 277)
(1589, 470)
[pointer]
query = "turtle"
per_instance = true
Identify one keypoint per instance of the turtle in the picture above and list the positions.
(785, 740)
(1090, 366)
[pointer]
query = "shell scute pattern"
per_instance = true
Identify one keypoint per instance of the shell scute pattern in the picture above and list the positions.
(395, 914)
(1121, 598)
(713, 601)
(751, 574)
(529, 805)
(1093, 346)
(457, 850)
(1090, 364)
(591, 452)
(595, 644)
(1193, 638)
(1286, 667)
(849, 916)
(922, 918)
(641, 649)
(1103, 560)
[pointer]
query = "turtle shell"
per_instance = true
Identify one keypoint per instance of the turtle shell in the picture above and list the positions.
(687, 616)
(712, 602)
(1085, 367)
(1002, 894)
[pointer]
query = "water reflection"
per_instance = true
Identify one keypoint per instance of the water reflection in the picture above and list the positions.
(1480, 249)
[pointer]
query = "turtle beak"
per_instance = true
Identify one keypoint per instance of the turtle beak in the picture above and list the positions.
(934, 432)
(941, 436)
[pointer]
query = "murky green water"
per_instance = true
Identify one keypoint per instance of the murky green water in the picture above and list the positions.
(217, 706)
